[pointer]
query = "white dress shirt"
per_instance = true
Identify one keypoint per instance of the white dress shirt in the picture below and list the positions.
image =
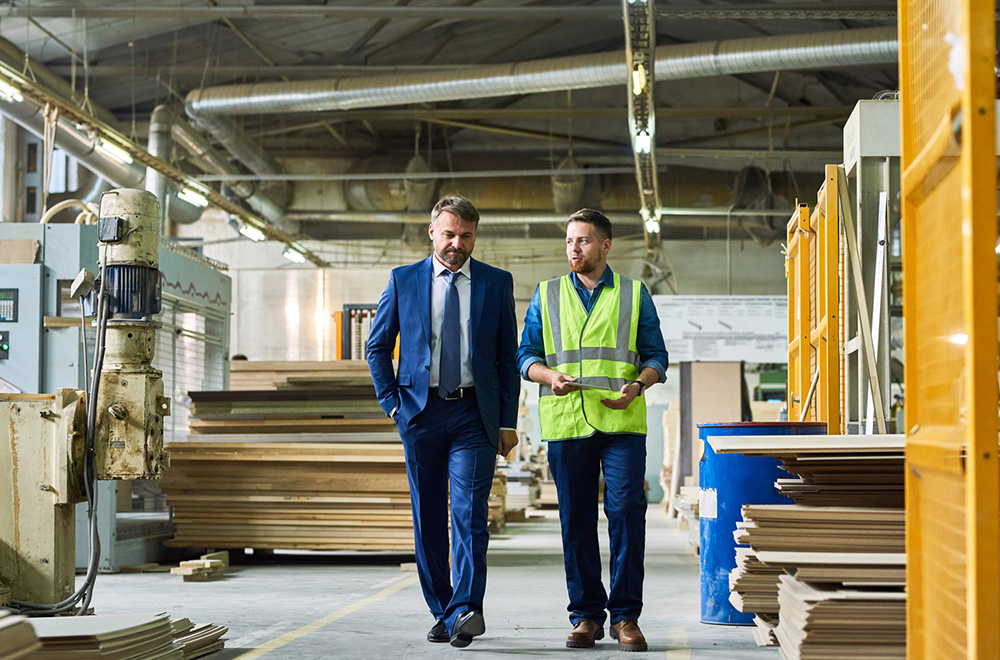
(439, 286)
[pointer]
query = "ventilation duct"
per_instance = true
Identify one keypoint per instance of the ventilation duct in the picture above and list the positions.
(419, 192)
(567, 189)
(841, 48)
(243, 149)
(208, 159)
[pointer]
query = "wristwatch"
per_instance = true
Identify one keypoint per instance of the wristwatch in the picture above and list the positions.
(642, 386)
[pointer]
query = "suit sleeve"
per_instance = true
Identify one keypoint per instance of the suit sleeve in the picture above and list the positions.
(381, 344)
(510, 384)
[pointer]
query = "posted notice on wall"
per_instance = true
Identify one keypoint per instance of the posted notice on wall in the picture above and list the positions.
(724, 328)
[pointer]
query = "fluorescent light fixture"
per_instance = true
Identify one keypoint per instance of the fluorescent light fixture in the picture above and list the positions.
(114, 151)
(638, 79)
(192, 197)
(293, 255)
(651, 223)
(9, 93)
(642, 142)
(252, 232)
(959, 339)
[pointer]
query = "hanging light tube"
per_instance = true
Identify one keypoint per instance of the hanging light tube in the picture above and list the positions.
(293, 255)
(252, 232)
(114, 151)
(193, 198)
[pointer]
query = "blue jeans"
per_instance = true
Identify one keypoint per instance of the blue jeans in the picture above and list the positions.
(447, 442)
(576, 466)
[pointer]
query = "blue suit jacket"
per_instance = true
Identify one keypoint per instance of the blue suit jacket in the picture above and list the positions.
(405, 311)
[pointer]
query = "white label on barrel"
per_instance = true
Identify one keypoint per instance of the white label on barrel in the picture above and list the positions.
(708, 503)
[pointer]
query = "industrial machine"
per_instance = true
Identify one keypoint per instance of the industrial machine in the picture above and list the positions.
(55, 447)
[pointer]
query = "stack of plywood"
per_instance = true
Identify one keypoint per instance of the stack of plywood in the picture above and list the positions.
(497, 517)
(17, 637)
(198, 639)
(824, 621)
(306, 492)
(111, 636)
(265, 375)
(849, 493)
(295, 455)
(523, 484)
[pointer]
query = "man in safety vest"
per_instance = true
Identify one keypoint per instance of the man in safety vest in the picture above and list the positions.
(592, 342)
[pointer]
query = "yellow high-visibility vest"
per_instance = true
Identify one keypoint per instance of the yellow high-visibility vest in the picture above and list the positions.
(598, 348)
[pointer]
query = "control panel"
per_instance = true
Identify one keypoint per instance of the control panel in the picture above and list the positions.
(4, 345)
(8, 305)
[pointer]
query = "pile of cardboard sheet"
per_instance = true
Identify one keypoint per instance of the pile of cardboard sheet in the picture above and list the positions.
(198, 639)
(523, 484)
(304, 492)
(111, 636)
(837, 553)
(17, 637)
(830, 622)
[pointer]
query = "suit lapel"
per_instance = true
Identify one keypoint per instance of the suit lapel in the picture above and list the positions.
(423, 286)
(477, 298)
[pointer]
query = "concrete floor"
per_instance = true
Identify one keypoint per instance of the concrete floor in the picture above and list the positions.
(346, 606)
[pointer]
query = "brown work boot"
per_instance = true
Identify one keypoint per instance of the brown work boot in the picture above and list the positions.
(584, 635)
(629, 636)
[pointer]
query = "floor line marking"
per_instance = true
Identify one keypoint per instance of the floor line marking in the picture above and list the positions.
(278, 642)
(679, 647)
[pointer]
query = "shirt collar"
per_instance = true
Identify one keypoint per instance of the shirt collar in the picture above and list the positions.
(439, 267)
(607, 279)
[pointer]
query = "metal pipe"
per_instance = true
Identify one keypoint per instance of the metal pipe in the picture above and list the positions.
(236, 142)
(681, 217)
(872, 46)
(874, 11)
(77, 143)
(207, 158)
(159, 146)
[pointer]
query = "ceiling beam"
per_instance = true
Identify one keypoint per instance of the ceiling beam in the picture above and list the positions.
(764, 11)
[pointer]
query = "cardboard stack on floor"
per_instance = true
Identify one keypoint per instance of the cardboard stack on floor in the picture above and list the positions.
(497, 517)
(17, 638)
(310, 463)
(122, 637)
(826, 575)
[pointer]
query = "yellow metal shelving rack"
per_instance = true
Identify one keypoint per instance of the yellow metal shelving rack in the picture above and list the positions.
(949, 184)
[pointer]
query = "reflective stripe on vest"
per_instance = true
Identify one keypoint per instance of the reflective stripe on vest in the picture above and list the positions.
(598, 349)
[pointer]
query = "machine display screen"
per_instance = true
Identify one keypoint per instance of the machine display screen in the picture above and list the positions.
(8, 305)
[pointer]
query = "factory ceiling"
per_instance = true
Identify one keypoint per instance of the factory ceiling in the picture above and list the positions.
(750, 97)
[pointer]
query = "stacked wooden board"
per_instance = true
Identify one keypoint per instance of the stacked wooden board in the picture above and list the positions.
(198, 639)
(117, 637)
(830, 623)
(17, 637)
(297, 455)
(263, 375)
(304, 492)
(111, 636)
(819, 572)
(497, 516)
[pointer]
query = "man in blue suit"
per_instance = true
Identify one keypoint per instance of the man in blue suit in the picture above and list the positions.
(454, 401)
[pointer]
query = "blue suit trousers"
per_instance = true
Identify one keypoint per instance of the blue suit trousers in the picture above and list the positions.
(447, 442)
(576, 466)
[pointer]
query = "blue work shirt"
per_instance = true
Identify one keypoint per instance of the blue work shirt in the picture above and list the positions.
(649, 340)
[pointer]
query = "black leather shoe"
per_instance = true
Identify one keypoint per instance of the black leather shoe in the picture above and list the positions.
(439, 633)
(468, 625)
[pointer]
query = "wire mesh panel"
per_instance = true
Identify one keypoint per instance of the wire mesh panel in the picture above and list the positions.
(813, 272)
(825, 222)
(799, 313)
(950, 308)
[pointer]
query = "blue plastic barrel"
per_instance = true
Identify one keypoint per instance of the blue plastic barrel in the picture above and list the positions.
(726, 483)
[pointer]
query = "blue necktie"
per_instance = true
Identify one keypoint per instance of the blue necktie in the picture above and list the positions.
(451, 342)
